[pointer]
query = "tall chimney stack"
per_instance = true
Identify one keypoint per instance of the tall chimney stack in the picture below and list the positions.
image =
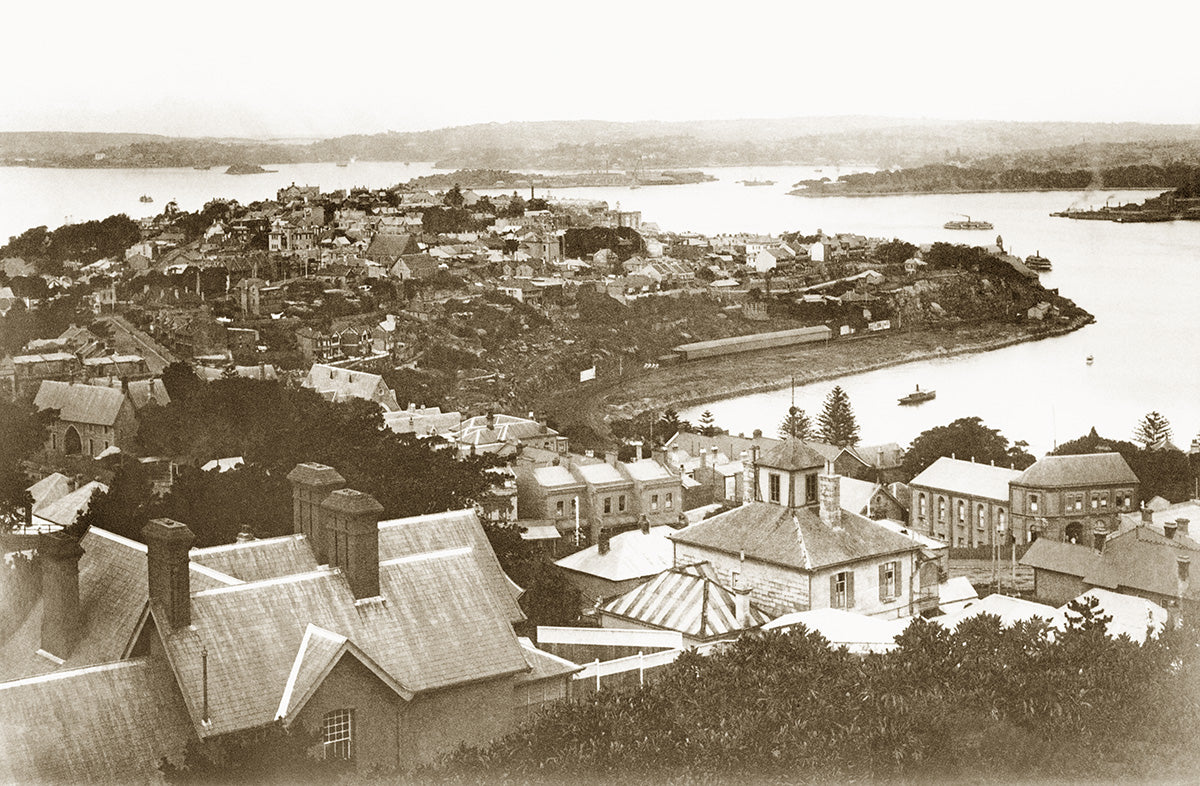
(829, 497)
(61, 617)
(167, 544)
(311, 484)
(1147, 516)
(602, 539)
(747, 478)
(1182, 526)
(351, 522)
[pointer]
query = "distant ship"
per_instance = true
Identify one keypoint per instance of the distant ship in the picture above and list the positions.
(968, 224)
(918, 396)
(145, 198)
(1037, 262)
(343, 163)
(757, 182)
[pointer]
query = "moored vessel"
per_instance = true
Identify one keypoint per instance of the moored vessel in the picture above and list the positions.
(968, 224)
(918, 396)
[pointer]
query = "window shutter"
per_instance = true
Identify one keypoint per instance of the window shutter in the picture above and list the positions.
(833, 598)
(883, 582)
(849, 589)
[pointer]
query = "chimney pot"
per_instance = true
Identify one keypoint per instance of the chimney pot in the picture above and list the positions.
(1183, 564)
(61, 617)
(1181, 525)
(1169, 529)
(602, 540)
(1147, 516)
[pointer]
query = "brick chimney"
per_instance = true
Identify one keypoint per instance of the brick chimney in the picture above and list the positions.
(61, 617)
(1169, 529)
(351, 522)
(602, 540)
(829, 497)
(1147, 516)
(1183, 566)
(610, 458)
(167, 544)
(741, 606)
(1182, 526)
(644, 525)
(311, 484)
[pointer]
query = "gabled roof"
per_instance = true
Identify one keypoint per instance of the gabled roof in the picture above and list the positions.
(1136, 559)
(967, 477)
(435, 625)
(339, 384)
(633, 554)
(503, 428)
(791, 454)
(599, 474)
(794, 538)
(415, 535)
(1068, 558)
(686, 599)
(1088, 469)
(110, 723)
(112, 600)
(320, 650)
(255, 560)
(80, 403)
(390, 246)
(65, 509)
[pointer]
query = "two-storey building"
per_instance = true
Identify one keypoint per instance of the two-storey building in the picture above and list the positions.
(796, 548)
(962, 503)
(1072, 499)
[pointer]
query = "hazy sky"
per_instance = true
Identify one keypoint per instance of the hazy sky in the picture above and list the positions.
(318, 69)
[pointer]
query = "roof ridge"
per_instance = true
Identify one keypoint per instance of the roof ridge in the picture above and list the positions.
(427, 555)
(245, 544)
(58, 675)
(425, 517)
(293, 578)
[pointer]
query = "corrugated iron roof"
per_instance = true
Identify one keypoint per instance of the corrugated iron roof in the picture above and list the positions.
(685, 599)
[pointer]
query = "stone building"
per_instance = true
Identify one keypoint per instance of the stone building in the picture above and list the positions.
(1072, 499)
(962, 503)
(794, 546)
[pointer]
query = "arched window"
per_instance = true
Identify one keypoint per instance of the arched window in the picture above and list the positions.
(72, 444)
(962, 512)
(921, 505)
(941, 509)
(337, 734)
(1001, 519)
(981, 517)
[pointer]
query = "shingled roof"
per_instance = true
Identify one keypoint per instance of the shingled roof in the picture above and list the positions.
(1089, 469)
(80, 403)
(436, 625)
(111, 723)
(112, 603)
(794, 537)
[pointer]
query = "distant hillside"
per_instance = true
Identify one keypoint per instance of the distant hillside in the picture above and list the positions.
(589, 145)
(44, 144)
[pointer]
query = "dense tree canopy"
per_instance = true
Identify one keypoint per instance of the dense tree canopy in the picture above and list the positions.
(22, 432)
(968, 439)
(274, 428)
(983, 702)
(1163, 472)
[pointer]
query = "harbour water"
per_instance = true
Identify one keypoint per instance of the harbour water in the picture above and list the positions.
(1139, 280)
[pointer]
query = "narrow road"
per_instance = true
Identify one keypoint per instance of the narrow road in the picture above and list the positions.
(157, 356)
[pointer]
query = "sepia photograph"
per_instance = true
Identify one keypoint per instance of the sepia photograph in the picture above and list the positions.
(624, 392)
